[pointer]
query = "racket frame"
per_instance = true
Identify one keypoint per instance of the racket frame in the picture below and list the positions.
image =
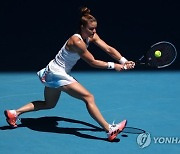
(140, 62)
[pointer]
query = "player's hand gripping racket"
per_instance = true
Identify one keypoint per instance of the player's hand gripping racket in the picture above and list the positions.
(160, 55)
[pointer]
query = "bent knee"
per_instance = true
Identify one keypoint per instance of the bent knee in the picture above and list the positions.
(89, 98)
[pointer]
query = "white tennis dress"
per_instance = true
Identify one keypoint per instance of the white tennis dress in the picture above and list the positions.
(56, 72)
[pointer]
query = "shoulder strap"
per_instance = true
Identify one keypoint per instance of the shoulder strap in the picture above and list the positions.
(78, 35)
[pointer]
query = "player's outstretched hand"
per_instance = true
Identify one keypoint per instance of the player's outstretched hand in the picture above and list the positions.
(119, 67)
(129, 65)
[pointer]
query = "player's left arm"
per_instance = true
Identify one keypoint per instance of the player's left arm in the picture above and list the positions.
(109, 49)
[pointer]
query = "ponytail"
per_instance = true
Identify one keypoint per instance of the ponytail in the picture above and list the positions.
(85, 11)
(86, 16)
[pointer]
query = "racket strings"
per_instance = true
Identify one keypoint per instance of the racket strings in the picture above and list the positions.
(168, 55)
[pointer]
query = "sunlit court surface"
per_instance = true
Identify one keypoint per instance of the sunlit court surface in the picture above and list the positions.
(149, 100)
(32, 33)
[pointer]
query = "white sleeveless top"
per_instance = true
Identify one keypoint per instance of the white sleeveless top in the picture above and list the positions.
(56, 72)
(67, 59)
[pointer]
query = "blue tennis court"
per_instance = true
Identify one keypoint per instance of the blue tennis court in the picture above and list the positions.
(149, 100)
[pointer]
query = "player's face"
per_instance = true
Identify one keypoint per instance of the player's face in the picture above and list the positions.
(90, 29)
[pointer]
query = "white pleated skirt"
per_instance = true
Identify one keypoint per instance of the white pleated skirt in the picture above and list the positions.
(54, 76)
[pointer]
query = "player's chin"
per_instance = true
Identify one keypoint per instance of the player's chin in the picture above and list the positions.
(92, 35)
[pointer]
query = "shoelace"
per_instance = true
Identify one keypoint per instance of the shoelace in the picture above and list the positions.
(112, 130)
(112, 126)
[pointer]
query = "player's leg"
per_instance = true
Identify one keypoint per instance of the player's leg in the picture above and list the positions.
(78, 91)
(51, 98)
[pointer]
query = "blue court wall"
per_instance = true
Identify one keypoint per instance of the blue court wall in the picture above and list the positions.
(32, 32)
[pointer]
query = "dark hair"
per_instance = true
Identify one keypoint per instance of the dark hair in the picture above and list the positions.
(86, 16)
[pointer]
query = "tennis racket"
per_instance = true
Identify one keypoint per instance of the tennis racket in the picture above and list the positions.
(167, 55)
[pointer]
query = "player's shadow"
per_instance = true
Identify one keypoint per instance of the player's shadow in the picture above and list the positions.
(53, 125)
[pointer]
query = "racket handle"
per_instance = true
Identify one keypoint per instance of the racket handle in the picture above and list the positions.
(125, 67)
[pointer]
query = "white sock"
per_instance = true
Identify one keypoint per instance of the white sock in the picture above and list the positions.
(13, 111)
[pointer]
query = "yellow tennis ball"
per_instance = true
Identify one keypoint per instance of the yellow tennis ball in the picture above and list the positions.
(157, 53)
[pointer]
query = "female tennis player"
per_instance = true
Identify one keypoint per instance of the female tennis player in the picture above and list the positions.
(55, 76)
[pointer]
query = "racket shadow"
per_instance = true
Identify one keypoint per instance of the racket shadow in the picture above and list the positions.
(50, 124)
(133, 130)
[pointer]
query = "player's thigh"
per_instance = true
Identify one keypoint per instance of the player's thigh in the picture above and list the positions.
(78, 91)
(51, 95)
